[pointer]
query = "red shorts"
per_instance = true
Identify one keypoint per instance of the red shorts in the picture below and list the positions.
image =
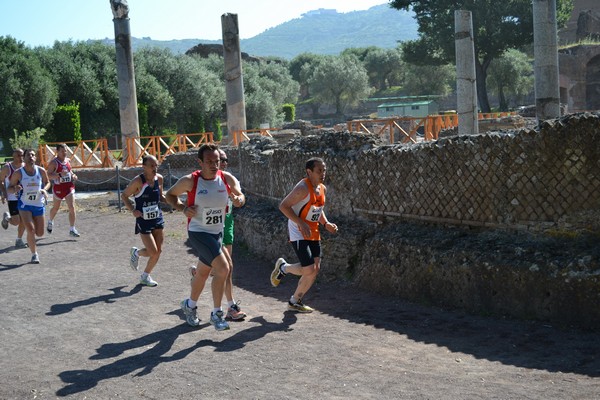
(61, 191)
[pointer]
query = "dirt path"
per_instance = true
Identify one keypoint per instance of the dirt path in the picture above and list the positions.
(78, 325)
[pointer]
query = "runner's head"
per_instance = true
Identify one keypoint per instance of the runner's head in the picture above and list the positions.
(223, 160)
(208, 157)
(61, 151)
(29, 156)
(18, 155)
(315, 170)
(150, 165)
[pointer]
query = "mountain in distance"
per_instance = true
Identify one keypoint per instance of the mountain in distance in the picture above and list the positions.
(322, 31)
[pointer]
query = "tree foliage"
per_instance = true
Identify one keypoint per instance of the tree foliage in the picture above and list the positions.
(66, 126)
(29, 96)
(511, 77)
(497, 26)
(340, 81)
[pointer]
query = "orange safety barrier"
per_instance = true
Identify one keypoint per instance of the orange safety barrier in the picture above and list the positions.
(98, 155)
(159, 147)
(80, 153)
(431, 125)
(241, 135)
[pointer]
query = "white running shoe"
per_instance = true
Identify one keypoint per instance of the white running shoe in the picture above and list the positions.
(148, 281)
(218, 320)
(134, 258)
(50, 226)
(74, 232)
(191, 316)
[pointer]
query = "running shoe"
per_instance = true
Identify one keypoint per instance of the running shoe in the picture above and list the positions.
(235, 313)
(277, 275)
(148, 281)
(218, 321)
(35, 259)
(299, 307)
(134, 258)
(20, 244)
(50, 226)
(191, 316)
(74, 232)
(5, 219)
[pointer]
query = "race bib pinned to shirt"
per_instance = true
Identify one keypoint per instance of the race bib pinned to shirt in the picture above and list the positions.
(150, 212)
(213, 216)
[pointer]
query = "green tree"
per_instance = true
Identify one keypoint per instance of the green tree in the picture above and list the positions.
(429, 79)
(301, 69)
(384, 66)
(66, 125)
(510, 77)
(340, 81)
(86, 74)
(28, 139)
(497, 26)
(28, 94)
(267, 86)
(196, 92)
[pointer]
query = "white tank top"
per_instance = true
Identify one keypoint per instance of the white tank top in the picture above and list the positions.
(31, 194)
(210, 198)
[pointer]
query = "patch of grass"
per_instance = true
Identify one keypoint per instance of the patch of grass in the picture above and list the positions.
(584, 42)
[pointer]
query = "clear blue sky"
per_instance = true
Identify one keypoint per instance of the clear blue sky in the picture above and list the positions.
(41, 22)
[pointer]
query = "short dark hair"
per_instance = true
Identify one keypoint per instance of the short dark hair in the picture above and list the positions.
(148, 157)
(206, 147)
(310, 164)
(61, 146)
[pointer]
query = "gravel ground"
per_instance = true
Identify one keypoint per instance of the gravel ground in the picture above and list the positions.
(79, 326)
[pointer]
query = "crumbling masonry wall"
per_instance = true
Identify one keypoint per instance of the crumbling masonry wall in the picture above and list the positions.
(502, 223)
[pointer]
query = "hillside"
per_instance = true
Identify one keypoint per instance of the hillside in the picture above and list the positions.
(320, 31)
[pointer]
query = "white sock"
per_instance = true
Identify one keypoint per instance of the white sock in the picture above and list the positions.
(144, 275)
(214, 311)
(231, 303)
(191, 303)
(282, 268)
(72, 227)
(292, 300)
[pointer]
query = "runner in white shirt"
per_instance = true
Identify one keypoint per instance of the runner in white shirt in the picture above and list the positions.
(207, 193)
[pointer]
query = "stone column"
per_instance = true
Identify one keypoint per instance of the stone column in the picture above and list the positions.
(545, 52)
(128, 110)
(466, 83)
(234, 81)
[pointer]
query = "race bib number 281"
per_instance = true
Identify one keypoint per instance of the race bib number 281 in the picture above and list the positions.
(213, 216)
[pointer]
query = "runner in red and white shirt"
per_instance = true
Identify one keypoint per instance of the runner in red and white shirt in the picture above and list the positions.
(63, 188)
(208, 191)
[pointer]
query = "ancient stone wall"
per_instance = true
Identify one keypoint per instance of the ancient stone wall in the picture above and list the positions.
(525, 180)
(504, 223)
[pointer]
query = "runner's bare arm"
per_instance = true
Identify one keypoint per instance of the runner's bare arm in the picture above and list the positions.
(237, 197)
(132, 189)
(182, 186)
(299, 192)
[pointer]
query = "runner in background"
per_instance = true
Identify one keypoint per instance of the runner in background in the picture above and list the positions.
(63, 188)
(147, 191)
(12, 215)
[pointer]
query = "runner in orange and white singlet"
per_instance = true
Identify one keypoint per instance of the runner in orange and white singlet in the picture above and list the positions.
(304, 208)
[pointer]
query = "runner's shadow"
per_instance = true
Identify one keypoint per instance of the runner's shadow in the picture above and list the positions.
(241, 338)
(8, 267)
(81, 380)
(118, 293)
